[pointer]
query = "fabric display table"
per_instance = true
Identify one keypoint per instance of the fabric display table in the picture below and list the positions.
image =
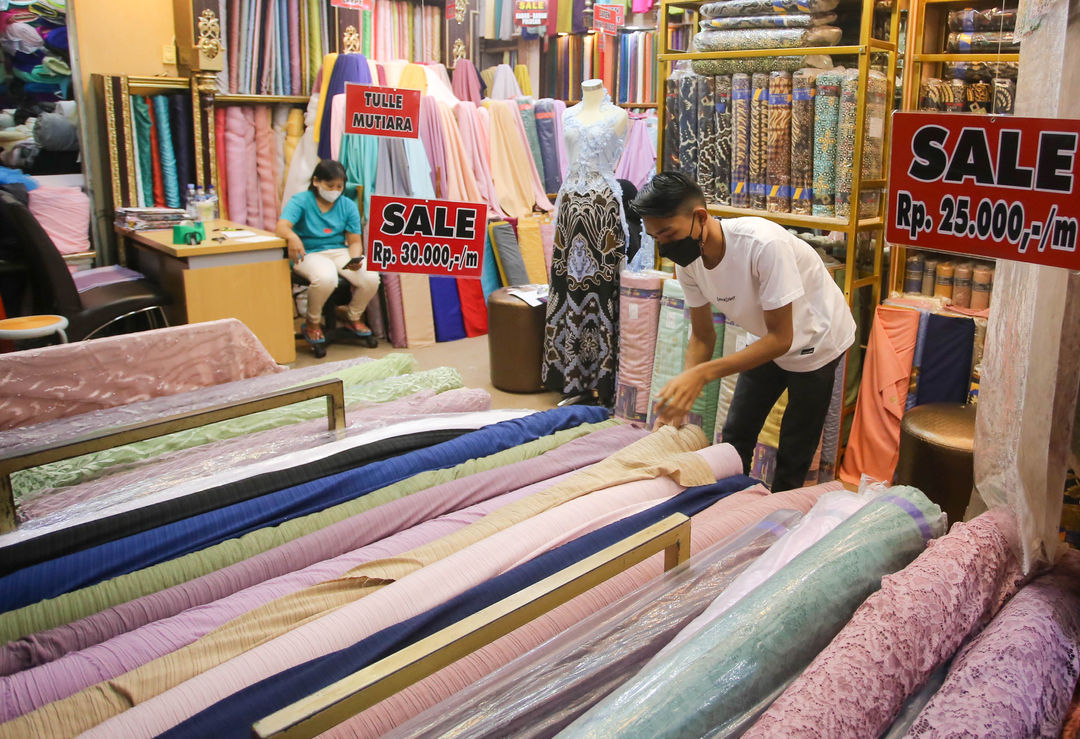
(246, 278)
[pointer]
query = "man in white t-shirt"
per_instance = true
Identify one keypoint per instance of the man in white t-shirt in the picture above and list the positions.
(776, 287)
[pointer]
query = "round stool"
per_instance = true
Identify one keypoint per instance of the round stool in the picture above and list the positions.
(33, 327)
(936, 454)
(515, 342)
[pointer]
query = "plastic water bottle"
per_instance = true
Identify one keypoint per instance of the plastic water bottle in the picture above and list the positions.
(190, 205)
(215, 208)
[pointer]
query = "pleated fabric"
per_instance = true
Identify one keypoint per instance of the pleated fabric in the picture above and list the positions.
(266, 167)
(467, 82)
(476, 150)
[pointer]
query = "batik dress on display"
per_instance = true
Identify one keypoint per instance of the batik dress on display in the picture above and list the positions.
(581, 352)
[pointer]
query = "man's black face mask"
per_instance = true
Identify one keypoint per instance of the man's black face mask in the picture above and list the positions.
(686, 250)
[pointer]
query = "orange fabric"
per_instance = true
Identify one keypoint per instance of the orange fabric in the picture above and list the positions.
(874, 446)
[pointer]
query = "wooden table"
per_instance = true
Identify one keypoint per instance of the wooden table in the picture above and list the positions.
(245, 278)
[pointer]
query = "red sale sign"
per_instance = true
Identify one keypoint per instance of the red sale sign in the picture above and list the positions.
(354, 4)
(428, 237)
(608, 18)
(990, 186)
(382, 111)
(530, 12)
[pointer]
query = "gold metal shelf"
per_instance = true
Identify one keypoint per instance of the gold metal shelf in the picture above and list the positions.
(928, 58)
(795, 219)
(637, 105)
(260, 99)
(750, 53)
(139, 85)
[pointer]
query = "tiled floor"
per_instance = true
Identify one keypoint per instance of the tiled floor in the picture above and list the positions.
(468, 356)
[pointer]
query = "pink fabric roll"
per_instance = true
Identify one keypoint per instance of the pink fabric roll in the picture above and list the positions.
(235, 168)
(64, 213)
(467, 82)
(547, 236)
(233, 55)
(396, 311)
(265, 168)
(337, 125)
(710, 526)
(903, 633)
(222, 160)
(38, 385)
(250, 169)
(331, 541)
(294, 47)
(639, 316)
(401, 599)
(475, 144)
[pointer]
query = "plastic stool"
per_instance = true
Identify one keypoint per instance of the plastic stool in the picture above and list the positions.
(33, 327)
(515, 342)
(936, 454)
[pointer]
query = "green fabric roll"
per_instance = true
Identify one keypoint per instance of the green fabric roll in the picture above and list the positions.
(720, 680)
(314, 43)
(360, 156)
(87, 601)
(360, 382)
(141, 115)
(826, 117)
(845, 141)
(528, 119)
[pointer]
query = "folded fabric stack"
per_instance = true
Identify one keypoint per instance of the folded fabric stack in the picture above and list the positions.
(145, 219)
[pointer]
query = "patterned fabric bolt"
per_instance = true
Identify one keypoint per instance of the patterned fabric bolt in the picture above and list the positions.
(722, 141)
(845, 148)
(741, 8)
(826, 115)
(688, 125)
(778, 176)
(740, 154)
(802, 141)
(759, 139)
(671, 124)
(706, 95)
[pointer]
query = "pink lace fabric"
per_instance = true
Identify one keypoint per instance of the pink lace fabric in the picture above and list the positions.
(902, 633)
(1017, 677)
(65, 380)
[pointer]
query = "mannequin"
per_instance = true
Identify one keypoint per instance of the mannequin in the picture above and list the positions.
(582, 328)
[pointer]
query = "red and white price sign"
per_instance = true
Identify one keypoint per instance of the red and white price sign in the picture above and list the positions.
(991, 186)
(608, 18)
(530, 12)
(428, 237)
(354, 4)
(382, 111)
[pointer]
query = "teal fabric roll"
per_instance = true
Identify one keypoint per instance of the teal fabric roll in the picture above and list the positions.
(141, 115)
(528, 118)
(719, 681)
(166, 151)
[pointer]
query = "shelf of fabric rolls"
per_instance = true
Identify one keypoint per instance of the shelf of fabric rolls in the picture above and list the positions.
(863, 224)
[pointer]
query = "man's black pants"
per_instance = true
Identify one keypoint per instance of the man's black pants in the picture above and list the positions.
(809, 396)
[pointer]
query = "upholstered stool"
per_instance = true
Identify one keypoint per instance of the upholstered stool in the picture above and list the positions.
(33, 327)
(515, 342)
(936, 443)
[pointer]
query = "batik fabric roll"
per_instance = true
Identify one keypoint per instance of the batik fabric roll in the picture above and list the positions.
(671, 124)
(795, 20)
(688, 125)
(706, 127)
(741, 94)
(766, 38)
(845, 145)
(873, 153)
(722, 140)
(802, 141)
(826, 118)
(778, 173)
(1002, 42)
(743, 8)
(759, 140)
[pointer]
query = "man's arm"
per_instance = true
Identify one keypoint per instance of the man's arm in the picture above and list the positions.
(678, 396)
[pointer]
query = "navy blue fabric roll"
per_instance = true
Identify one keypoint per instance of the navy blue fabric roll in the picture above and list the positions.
(446, 309)
(234, 715)
(347, 68)
(90, 566)
(549, 148)
(180, 112)
(945, 373)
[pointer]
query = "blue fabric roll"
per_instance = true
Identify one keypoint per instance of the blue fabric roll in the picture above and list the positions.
(347, 68)
(446, 309)
(549, 149)
(945, 374)
(489, 278)
(166, 151)
(90, 566)
(180, 108)
(916, 362)
(234, 715)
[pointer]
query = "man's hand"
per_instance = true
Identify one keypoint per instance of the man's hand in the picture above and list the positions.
(678, 397)
(296, 249)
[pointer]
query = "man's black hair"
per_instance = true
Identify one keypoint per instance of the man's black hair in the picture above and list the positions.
(668, 194)
(327, 170)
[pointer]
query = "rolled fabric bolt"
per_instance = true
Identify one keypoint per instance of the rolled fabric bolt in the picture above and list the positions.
(962, 285)
(982, 278)
(929, 276)
(982, 96)
(956, 98)
(913, 274)
(943, 287)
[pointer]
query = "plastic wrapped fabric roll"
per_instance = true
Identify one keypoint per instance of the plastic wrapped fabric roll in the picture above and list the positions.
(913, 273)
(903, 633)
(929, 275)
(722, 140)
(765, 64)
(705, 405)
(639, 315)
(734, 335)
(688, 125)
(974, 71)
(1030, 654)
(1002, 42)
(795, 20)
(579, 667)
(706, 131)
(826, 118)
(1004, 96)
(956, 94)
(741, 8)
(873, 153)
(767, 38)
(845, 144)
(671, 124)
(802, 141)
(943, 285)
(759, 139)
(962, 285)
(981, 98)
(990, 19)
(740, 140)
(932, 95)
(723, 678)
(981, 279)
(778, 173)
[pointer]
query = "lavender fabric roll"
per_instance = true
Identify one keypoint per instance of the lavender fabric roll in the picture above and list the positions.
(639, 315)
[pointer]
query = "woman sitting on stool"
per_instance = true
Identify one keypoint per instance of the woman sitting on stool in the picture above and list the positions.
(317, 225)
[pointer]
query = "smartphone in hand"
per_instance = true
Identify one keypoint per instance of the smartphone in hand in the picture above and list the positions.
(354, 263)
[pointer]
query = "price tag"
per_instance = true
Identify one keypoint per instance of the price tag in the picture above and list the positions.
(429, 237)
(608, 18)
